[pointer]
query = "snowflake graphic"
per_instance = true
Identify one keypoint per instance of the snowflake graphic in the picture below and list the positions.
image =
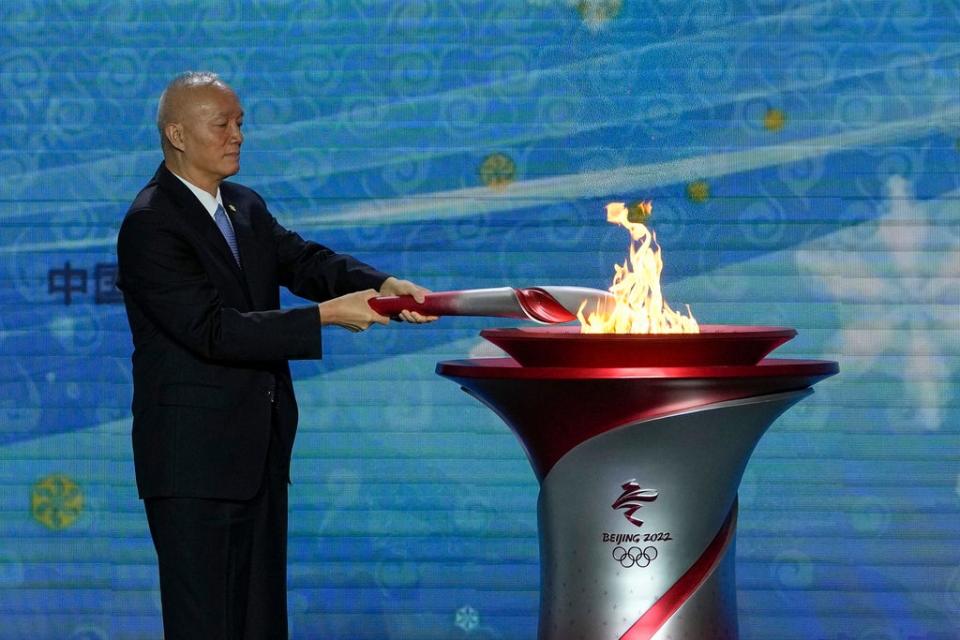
(906, 293)
(467, 618)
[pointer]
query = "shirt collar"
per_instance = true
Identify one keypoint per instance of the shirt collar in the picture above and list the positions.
(209, 202)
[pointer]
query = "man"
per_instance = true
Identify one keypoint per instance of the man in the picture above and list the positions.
(214, 415)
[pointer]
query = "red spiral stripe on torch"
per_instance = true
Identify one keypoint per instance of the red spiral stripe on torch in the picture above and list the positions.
(681, 591)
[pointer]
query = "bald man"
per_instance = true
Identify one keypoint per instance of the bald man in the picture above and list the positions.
(201, 262)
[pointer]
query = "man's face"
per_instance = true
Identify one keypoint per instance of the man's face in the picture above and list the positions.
(211, 135)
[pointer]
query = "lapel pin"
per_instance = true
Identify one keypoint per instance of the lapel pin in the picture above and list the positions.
(232, 208)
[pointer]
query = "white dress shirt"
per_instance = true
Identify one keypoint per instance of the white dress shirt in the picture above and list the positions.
(209, 202)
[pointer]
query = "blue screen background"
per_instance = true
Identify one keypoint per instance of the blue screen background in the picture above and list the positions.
(803, 159)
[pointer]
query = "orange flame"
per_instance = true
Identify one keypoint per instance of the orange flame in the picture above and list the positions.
(638, 306)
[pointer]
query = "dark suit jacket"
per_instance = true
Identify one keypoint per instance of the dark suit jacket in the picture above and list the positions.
(210, 341)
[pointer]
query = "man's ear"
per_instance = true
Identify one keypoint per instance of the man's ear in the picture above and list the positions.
(174, 134)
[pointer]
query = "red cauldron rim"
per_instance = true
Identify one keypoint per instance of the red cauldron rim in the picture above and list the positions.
(565, 346)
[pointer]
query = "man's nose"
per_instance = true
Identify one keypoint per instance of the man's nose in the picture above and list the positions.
(236, 134)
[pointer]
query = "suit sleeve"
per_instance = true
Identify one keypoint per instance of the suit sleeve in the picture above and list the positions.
(312, 271)
(161, 274)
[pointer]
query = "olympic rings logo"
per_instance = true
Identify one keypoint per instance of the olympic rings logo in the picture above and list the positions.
(635, 556)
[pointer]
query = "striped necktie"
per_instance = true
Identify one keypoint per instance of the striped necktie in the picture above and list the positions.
(223, 223)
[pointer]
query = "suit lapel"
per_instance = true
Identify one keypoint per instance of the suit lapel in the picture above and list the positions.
(200, 220)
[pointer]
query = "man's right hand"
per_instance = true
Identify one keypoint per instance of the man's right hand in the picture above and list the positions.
(351, 311)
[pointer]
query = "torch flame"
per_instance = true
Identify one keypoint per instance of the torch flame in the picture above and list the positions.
(638, 306)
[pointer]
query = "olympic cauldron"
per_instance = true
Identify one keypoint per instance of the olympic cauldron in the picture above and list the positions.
(639, 443)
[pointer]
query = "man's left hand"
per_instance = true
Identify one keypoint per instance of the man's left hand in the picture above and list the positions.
(395, 287)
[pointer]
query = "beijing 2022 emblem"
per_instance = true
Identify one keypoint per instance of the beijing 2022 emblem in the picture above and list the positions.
(632, 499)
